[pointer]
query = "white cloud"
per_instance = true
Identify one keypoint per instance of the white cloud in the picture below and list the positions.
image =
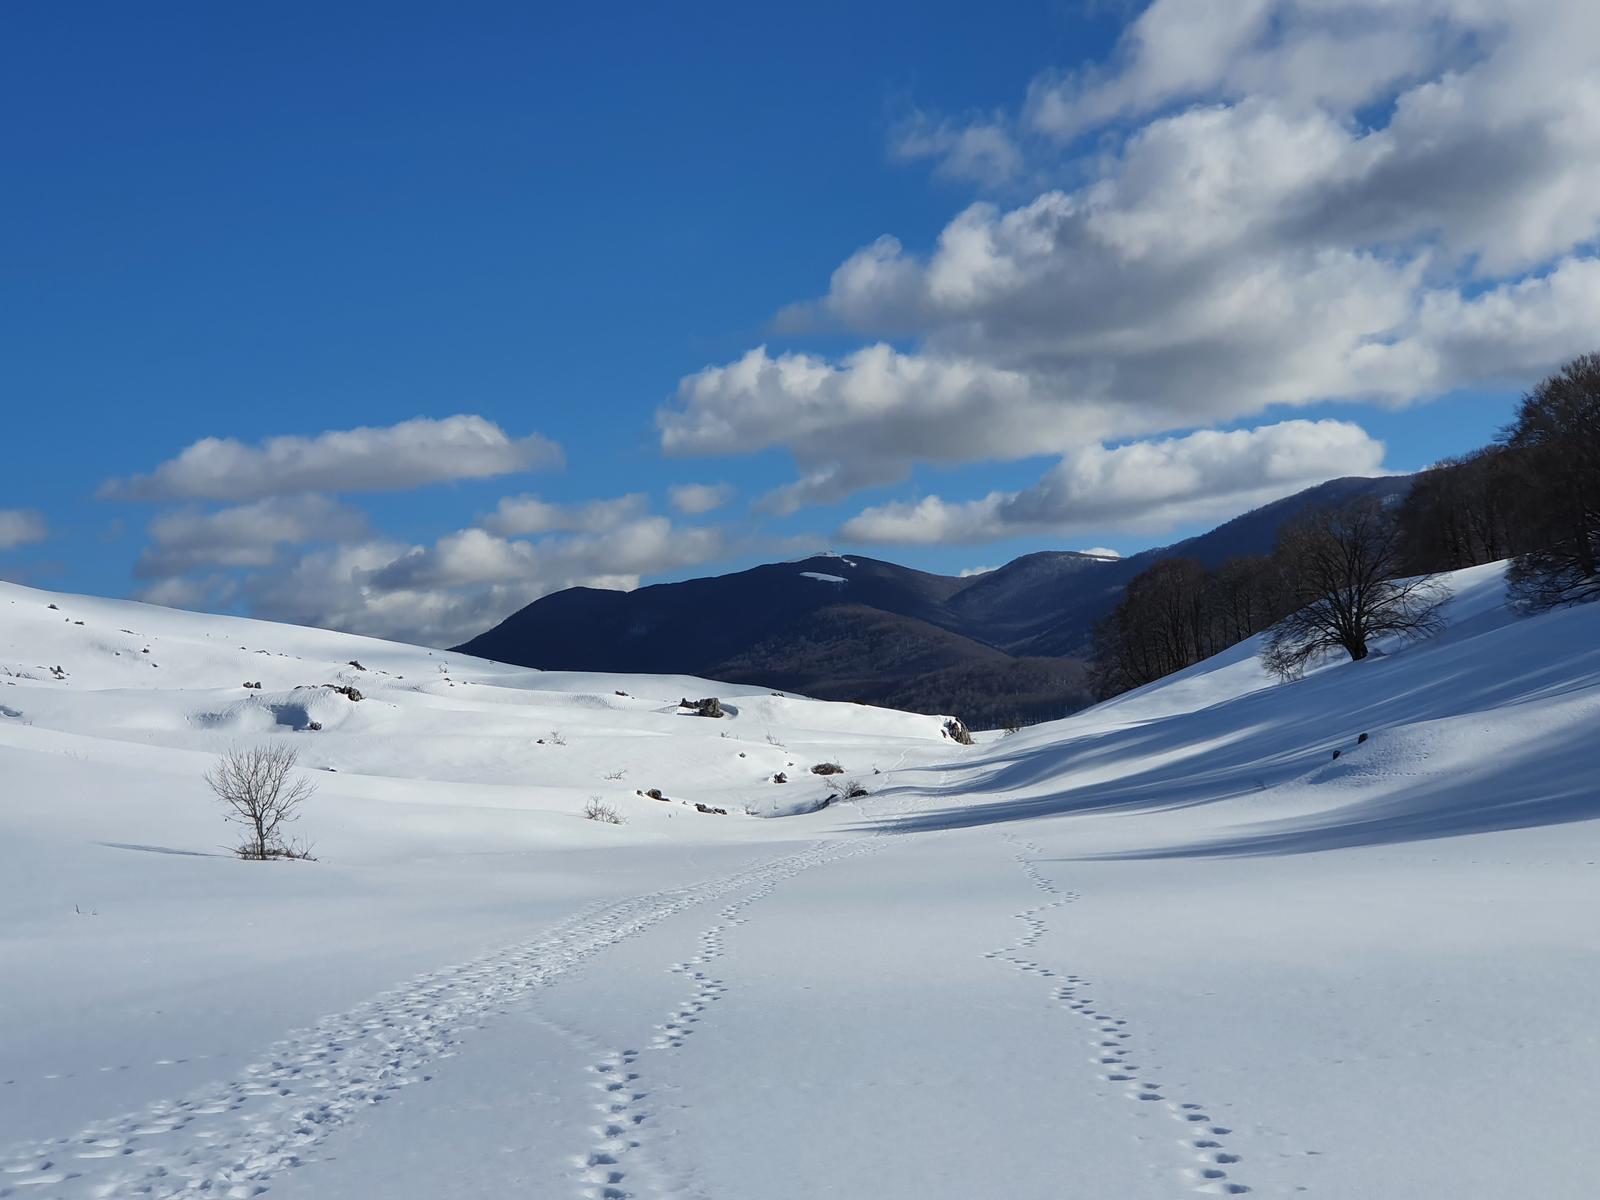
(1308, 52)
(1292, 202)
(1143, 485)
(523, 515)
(693, 499)
(390, 458)
(197, 594)
(969, 572)
(875, 405)
(981, 151)
(466, 581)
(471, 557)
(1101, 552)
(249, 535)
(20, 527)
(345, 577)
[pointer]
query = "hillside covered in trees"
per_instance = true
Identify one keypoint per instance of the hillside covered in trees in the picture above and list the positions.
(1532, 496)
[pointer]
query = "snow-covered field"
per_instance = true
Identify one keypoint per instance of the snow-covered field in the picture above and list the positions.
(1169, 946)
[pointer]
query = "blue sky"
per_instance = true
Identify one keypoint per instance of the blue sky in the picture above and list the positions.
(293, 221)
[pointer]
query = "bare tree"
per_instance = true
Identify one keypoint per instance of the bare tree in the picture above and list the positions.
(1459, 512)
(1343, 569)
(1177, 612)
(1557, 439)
(258, 786)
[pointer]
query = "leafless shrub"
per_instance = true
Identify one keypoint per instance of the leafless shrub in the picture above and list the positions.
(258, 786)
(846, 789)
(827, 768)
(556, 739)
(617, 774)
(598, 810)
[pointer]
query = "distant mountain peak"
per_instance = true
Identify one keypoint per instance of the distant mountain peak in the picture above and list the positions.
(994, 647)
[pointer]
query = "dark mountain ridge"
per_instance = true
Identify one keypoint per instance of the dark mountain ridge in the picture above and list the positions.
(1006, 646)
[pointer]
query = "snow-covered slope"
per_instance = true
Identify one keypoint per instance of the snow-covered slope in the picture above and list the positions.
(1490, 725)
(151, 685)
(1169, 946)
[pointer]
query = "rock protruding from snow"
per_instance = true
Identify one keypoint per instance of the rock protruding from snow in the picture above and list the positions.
(957, 732)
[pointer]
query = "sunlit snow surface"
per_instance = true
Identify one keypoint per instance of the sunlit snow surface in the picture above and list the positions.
(1169, 946)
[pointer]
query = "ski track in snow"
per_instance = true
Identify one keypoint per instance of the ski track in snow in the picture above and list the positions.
(229, 1139)
(1112, 1041)
(612, 1167)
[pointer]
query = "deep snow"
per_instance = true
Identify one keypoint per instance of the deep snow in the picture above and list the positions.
(1168, 946)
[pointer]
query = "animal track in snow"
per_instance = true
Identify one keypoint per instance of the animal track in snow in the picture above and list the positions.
(1111, 1041)
(619, 1120)
(228, 1139)
(608, 1169)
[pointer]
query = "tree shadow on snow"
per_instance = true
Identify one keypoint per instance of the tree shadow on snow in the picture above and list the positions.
(1282, 733)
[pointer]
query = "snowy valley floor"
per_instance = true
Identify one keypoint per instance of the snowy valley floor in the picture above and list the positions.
(1168, 947)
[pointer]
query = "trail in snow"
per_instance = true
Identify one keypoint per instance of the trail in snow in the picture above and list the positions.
(1113, 1042)
(612, 1167)
(229, 1138)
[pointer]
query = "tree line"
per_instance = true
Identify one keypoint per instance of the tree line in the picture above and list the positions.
(1338, 578)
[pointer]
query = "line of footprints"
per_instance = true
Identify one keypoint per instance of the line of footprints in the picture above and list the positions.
(620, 1120)
(1113, 1043)
(620, 1104)
(229, 1138)
(604, 1169)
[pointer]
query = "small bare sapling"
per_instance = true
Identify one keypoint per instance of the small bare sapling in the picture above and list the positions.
(261, 792)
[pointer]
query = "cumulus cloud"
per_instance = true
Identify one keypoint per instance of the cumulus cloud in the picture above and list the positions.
(877, 405)
(693, 499)
(390, 458)
(475, 556)
(1289, 203)
(1308, 52)
(248, 535)
(200, 595)
(445, 592)
(20, 527)
(523, 515)
(1143, 485)
(343, 575)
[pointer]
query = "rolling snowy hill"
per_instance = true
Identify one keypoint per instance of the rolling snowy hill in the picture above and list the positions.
(1171, 945)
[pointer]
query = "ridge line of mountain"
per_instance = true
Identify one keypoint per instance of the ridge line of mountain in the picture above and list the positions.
(1007, 646)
